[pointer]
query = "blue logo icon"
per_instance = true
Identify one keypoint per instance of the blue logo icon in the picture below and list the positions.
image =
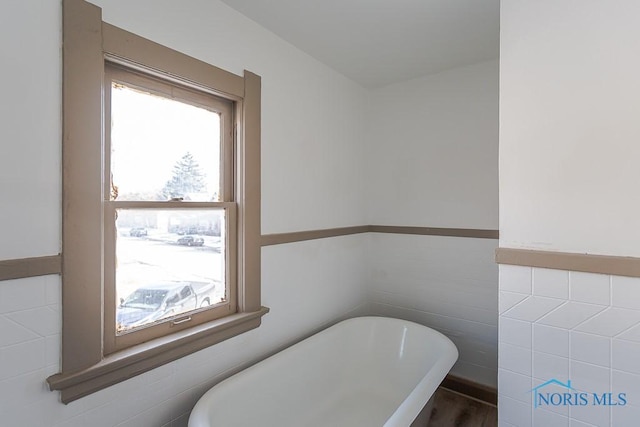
(557, 393)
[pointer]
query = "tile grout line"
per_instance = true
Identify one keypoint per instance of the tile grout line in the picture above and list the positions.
(610, 350)
(569, 339)
(531, 403)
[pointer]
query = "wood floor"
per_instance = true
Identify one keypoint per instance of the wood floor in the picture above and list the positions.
(451, 409)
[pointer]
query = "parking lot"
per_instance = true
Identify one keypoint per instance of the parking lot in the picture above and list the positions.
(158, 257)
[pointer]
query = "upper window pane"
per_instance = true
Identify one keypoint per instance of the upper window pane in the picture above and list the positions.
(162, 148)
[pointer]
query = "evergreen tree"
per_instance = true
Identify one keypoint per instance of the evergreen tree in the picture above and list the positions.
(187, 178)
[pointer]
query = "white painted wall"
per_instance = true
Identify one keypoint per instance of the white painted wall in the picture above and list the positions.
(313, 121)
(433, 150)
(433, 162)
(569, 131)
(31, 129)
(569, 128)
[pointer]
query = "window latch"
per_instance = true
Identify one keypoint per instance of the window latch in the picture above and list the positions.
(183, 320)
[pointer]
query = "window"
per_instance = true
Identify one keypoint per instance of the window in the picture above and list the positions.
(168, 154)
(161, 204)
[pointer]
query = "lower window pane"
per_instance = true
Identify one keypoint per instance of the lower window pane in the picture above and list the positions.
(168, 262)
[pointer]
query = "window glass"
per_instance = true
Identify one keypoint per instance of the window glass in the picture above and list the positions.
(168, 262)
(162, 148)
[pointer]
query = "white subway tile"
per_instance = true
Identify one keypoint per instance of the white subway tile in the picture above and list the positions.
(475, 352)
(632, 334)
(598, 415)
(514, 411)
(515, 278)
(181, 421)
(22, 294)
(544, 418)
(514, 358)
(22, 390)
(507, 300)
(625, 356)
(52, 346)
(515, 332)
(547, 385)
(549, 339)
(22, 358)
(463, 294)
(571, 314)
(576, 423)
(591, 348)
(590, 288)
(23, 416)
(627, 415)
(533, 308)
(547, 366)
(515, 386)
(451, 309)
(53, 290)
(551, 283)
(562, 410)
(624, 382)
(626, 292)
(589, 378)
(155, 416)
(610, 322)
(44, 320)
(13, 333)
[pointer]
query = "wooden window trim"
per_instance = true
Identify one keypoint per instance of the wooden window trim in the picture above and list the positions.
(87, 44)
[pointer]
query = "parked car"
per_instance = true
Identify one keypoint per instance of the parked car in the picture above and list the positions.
(159, 301)
(191, 241)
(138, 232)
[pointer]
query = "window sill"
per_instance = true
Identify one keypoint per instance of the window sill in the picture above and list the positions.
(125, 364)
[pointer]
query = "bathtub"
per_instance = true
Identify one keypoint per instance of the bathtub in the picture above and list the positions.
(366, 371)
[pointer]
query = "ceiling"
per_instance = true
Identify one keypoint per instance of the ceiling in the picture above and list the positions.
(379, 42)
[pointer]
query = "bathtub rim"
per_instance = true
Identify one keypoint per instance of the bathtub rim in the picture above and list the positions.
(403, 415)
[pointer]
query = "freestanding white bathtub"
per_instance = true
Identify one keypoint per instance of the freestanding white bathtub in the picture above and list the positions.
(366, 371)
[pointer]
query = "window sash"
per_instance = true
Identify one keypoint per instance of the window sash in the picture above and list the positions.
(119, 73)
(114, 342)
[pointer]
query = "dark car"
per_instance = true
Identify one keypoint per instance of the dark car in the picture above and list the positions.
(191, 241)
(138, 232)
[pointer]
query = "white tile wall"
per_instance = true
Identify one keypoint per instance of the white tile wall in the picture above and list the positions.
(591, 288)
(625, 291)
(548, 339)
(448, 284)
(322, 278)
(551, 283)
(589, 334)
